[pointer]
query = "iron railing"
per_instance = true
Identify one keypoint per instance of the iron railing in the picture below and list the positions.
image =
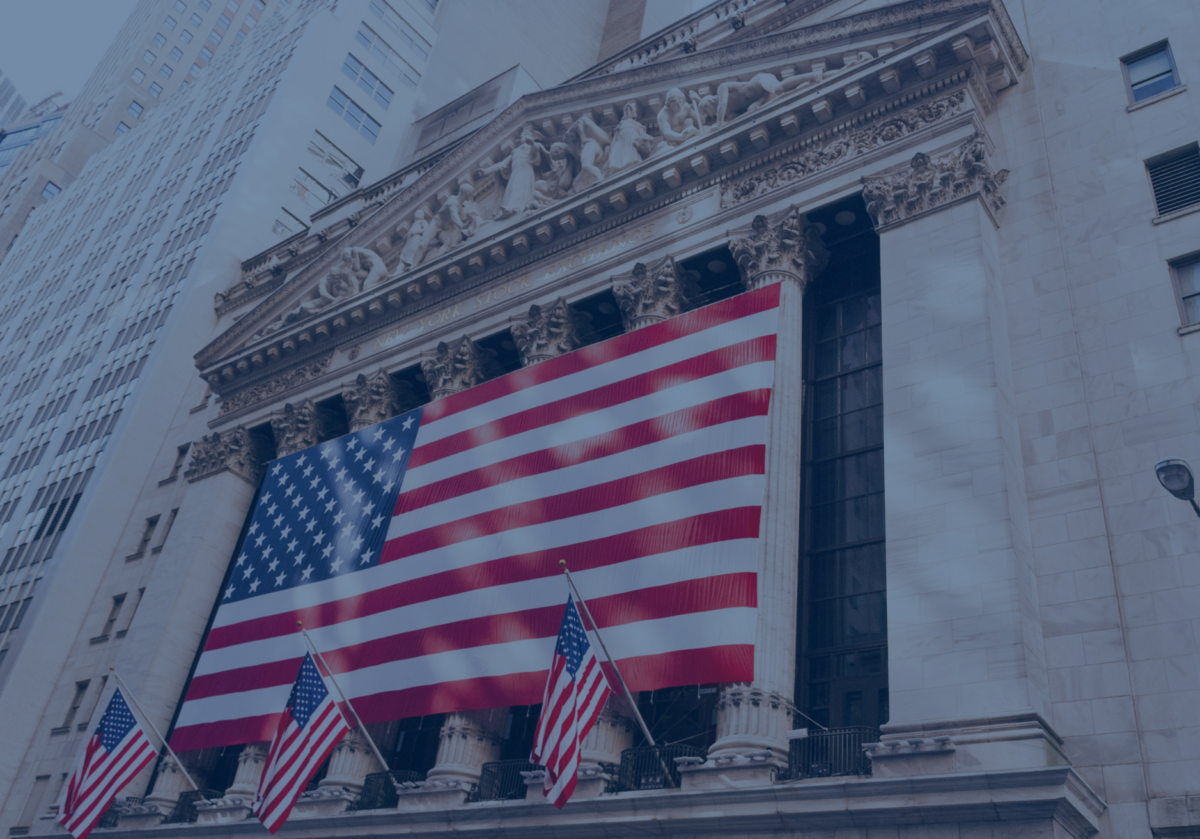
(831, 752)
(643, 767)
(379, 789)
(184, 811)
(501, 780)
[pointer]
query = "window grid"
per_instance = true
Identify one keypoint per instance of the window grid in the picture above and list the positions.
(1187, 279)
(169, 23)
(159, 39)
(1175, 179)
(138, 75)
(176, 53)
(165, 71)
(155, 89)
(354, 116)
(368, 81)
(148, 57)
(51, 189)
(399, 27)
(387, 56)
(185, 36)
(135, 109)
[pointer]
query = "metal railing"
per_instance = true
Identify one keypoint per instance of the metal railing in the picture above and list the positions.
(501, 780)
(831, 753)
(642, 768)
(184, 811)
(379, 789)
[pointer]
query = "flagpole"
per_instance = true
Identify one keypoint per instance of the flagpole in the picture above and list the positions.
(616, 670)
(357, 719)
(150, 723)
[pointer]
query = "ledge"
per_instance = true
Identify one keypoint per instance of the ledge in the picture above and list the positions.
(1158, 97)
(1189, 329)
(1186, 211)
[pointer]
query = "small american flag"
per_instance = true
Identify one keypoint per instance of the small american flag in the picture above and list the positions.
(310, 727)
(575, 696)
(117, 751)
(638, 460)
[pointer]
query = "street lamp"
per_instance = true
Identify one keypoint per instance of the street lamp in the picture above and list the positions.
(1176, 477)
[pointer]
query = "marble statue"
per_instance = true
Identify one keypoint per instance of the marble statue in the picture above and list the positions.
(412, 242)
(455, 221)
(676, 120)
(556, 185)
(735, 99)
(631, 143)
(366, 266)
(519, 170)
(358, 269)
(588, 143)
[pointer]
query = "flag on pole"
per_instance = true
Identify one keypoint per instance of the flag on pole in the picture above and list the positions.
(117, 751)
(575, 694)
(310, 727)
(422, 553)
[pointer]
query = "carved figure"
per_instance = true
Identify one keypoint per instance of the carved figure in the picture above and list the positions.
(737, 98)
(369, 400)
(631, 143)
(365, 265)
(546, 332)
(294, 427)
(412, 241)
(557, 184)
(588, 142)
(519, 170)
(452, 367)
(676, 120)
(456, 221)
(358, 268)
(705, 109)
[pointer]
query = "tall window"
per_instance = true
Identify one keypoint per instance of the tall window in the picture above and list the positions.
(367, 80)
(1150, 71)
(1187, 286)
(76, 702)
(843, 615)
(355, 116)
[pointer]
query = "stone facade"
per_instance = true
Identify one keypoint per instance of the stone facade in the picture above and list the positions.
(1035, 353)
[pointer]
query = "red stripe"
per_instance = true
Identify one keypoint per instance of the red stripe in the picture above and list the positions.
(726, 591)
(730, 663)
(718, 466)
(726, 311)
(726, 409)
(721, 526)
(606, 396)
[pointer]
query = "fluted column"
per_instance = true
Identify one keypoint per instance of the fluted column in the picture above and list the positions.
(651, 293)
(249, 770)
(294, 427)
(350, 763)
(168, 783)
(755, 717)
(369, 400)
(545, 332)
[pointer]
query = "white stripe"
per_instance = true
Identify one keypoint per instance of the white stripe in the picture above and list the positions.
(680, 349)
(696, 631)
(625, 464)
(694, 563)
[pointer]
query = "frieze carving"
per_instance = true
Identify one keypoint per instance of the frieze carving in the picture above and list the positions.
(841, 149)
(783, 245)
(295, 427)
(545, 332)
(265, 390)
(652, 293)
(369, 399)
(931, 182)
(234, 450)
(452, 367)
(358, 270)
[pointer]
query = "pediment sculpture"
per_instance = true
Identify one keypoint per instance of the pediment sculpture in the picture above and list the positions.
(357, 270)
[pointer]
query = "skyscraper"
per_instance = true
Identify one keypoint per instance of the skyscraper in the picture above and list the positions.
(12, 103)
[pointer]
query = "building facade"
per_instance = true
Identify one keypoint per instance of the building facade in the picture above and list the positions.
(12, 103)
(980, 217)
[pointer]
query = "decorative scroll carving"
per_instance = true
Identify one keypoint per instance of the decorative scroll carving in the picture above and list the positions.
(545, 332)
(235, 450)
(783, 245)
(651, 293)
(842, 149)
(452, 367)
(295, 427)
(369, 400)
(930, 183)
(281, 384)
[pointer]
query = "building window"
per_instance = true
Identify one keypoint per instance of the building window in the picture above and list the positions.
(224, 21)
(51, 189)
(206, 53)
(138, 75)
(387, 56)
(165, 71)
(135, 109)
(1150, 71)
(117, 602)
(367, 80)
(196, 20)
(214, 38)
(148, 57)
(147, 535)
(206, 4)
(76, 702)
(121, 129)
(399, 27)
(1175, 178)
(176, 53)
(241, 34)
(185, 36)
(196, 68)
(180, 6)
(311, 191)
(1187, 287)
(169, 23)
(159, 39)
(32, 805)
(155, 89)
(355, 116)
(335, 164)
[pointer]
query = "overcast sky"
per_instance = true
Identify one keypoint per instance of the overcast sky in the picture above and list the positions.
(52, 45)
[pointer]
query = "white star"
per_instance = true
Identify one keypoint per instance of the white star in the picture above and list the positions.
(350, 445)
(309, 525)
(328, 550)
(321, 495)
(366, 557)
(267, 552)
(278, 520)
(288, 492)
(387, 444)
(369, 465)
(341, 475)
(242, 558)
(253, 586)
(291, 546)
(358, 497)
(341, 514)
(407, 424)
(253, 529)
(357, 543)
(229, 592)
(304, 574)
(271, 510)
(360, 454)
(319, 538)
(274, 564)
(303, 459)
(336, 565)
(368, 508)
(329, 505)
(308, 470)
(327, 451)
(266, 497)
(283, 534)
(398, 454)
(388, 486)
(378, 476)
(298, 558)
(275, 471)
(279, 580)
(249, 570)
(378, 520)
(315, 482)
(297, 500)
(304, 513)
(347, 530)
(258, 542)
(378, 433)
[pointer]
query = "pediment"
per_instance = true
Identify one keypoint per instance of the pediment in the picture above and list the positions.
(587, 154)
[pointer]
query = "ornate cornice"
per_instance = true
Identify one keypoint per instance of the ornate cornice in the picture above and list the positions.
(784, 245)
(369, 399)
(234, 450)
(544, 332)
(651, 293)
(276, 385)
(929, 183)
(452, 367)
(295, 427)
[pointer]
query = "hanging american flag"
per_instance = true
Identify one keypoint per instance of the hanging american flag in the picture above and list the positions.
(117, 750)
(422, 553)
(574, 697)
(311, 725)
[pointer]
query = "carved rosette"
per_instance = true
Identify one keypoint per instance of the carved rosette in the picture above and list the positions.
(452, 367)
(544, 333)
(295, 427)
(369, 400)
(234, 450)
(933, 182)
(651, 293)
(782, 246)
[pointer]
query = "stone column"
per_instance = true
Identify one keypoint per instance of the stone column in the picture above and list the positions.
(235, 805)
(369, 400)
(350, 763)
(612, 734)
(545, 332)
(753, 718)
(650, 293)
(294, 427)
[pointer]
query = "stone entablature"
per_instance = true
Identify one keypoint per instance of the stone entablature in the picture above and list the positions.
(233, 450)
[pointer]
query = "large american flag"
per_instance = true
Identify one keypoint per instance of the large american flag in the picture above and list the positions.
(422, 553)
(116, 752)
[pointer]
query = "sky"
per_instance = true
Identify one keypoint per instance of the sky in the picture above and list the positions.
(53, 45)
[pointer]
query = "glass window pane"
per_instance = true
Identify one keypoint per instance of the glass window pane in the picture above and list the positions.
(853, 314)
(826, 360)
(1149, 67)
(1153, 87)
(874, 316)
(1191, 309)
(1186, 274)
(825, 399)
(854, 350)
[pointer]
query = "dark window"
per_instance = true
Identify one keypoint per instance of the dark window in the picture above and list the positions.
(355, 116)
(332, 420)
(1187, 278)
(117, 602)
(1150, 71)
(367, 80)
(500, 354)
(169, 23)
(135, 109)
(185, 36)
(148, 57)
(1175, 178)
(155, 89)
(711, 276)
(165, 71)
(176, 53)
(121, 128)
(76, 702)
(411, 389)
(159, 39)
(597, 318)
(51, 189)
(196, 20)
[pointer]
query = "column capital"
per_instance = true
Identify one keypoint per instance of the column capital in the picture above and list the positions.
(545, 332)
(929, 183)
(295, 427)
(369, 399)
(651, 293)
(452, 367)
(777, 247)
(234, 450)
